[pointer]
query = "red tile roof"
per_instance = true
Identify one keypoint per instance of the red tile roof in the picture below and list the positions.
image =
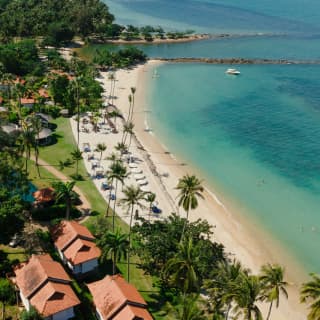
(1, 100)
(43, 93)
(46, 284)
(113, 294)
(54, 297)
(30, 275)
(19, 80)
(44, 195)
(81, 251)
(27, 101)
(67, 231)
(133, 313)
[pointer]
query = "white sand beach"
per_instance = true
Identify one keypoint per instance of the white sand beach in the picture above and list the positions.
(162, 171)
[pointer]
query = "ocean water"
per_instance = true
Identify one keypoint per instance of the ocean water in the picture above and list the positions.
(255, 137)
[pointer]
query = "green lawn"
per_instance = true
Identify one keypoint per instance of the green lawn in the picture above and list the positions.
(61, 151)
(13, 253)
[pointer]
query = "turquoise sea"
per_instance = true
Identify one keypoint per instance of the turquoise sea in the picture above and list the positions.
(255, 137)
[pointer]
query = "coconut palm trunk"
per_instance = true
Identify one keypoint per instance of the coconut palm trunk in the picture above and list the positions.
(129, 249)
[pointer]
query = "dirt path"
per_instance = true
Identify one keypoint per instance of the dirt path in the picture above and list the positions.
(85, 203)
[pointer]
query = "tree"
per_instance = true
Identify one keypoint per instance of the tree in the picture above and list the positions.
(221, 285)
(132, 197)
(36, 127)
(127, 129)
(190, 190)
(32, 314)
(188, 308)
(100, 148)
(247, 292)
(115, 114)
(150, 198)
(117, 172)
(121, 147)
(6, 294)
(64, 192)
(26, 142)
(133, 91)
(310, 293)
(77, 156)
(181, 269)
(273, 284)
(115, 244)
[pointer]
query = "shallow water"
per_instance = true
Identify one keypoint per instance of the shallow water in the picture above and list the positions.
(254, 137)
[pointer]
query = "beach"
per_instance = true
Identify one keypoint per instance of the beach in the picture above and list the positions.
(162, 169)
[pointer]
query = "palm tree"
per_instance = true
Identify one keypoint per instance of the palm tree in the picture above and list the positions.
(115, 114)
(133, 91)
(188, 308)
(220, 288)
(113, 157)
(310, 291)
(76, 156)
(181, 268)
(117, 172)
(127, 129)
(26, 143)
(132, 197)
(64, 191)
(121, 147)
(112, 78)
(150, 198)
(273, 284)
(190, 190)
(130, 106)
(115, 244)
(36, 127)
(100, 148)
(247, 292)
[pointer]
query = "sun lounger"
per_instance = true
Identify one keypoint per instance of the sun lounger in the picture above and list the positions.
(142, 182)
(139, 176)
(136, 170)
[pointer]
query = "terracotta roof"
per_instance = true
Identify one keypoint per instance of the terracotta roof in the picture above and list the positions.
(44, 195)
(133, 313)
(54, 297)
(1, 100)
(27, 100)
(82, 250)
(112, 294)
(32, 274)
(67, 231)
(62, 73)
(19, 80)
(43, 93)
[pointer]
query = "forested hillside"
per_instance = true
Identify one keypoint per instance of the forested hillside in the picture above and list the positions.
(51, 17)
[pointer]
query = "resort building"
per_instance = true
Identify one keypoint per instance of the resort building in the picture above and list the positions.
(76, 247)
(27, 102)
(44, 284)
(116, 299)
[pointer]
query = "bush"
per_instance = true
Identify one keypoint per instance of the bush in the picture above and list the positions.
(54, 212)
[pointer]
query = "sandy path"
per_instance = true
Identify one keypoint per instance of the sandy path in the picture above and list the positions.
(85, 203)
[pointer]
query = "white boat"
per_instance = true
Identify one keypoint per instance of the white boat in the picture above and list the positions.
(233, 71)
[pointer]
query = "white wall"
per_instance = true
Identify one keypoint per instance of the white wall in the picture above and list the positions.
(99, 315)
(25, 301)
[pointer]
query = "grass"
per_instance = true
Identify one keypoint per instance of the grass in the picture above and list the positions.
(61, 151)
(13, 253)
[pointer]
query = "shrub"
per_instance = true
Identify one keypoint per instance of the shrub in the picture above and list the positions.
(54, 212)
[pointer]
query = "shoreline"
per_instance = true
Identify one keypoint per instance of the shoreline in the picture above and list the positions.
(231, 228)
(162, 169)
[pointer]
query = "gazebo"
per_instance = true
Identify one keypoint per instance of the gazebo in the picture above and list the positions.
(44, 136)
(44, 196)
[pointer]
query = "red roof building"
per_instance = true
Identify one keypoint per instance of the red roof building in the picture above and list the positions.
(76, 247)
(44, 284)
(116, 299)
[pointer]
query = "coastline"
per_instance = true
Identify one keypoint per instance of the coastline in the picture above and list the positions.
(251, 247)
(231, 228)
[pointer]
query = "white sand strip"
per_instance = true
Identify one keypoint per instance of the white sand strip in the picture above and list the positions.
(251, 247)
